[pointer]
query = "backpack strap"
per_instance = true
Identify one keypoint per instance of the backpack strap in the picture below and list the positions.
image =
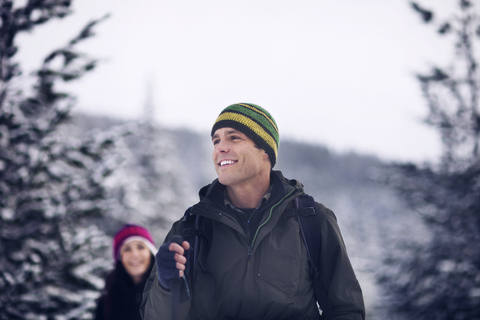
(190, 233)
(197, 230)
(311, 232)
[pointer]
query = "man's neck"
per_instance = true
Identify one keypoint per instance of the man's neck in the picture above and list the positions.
(248, 197)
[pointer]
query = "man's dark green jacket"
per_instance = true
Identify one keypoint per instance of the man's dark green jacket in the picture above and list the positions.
(265, 275)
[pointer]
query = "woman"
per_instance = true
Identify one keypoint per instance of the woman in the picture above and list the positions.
(133, 253)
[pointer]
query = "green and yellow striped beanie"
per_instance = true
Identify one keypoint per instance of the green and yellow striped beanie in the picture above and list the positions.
(253, 121)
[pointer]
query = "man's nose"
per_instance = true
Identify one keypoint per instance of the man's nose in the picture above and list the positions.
(222, 146)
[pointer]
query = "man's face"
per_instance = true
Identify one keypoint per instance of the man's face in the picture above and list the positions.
(237, 160)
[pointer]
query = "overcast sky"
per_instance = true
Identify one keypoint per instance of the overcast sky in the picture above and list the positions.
(340, 73)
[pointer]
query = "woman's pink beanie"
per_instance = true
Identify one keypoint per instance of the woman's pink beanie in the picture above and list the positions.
(131, 232)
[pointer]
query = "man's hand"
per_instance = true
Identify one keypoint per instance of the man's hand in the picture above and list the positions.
(171, 261)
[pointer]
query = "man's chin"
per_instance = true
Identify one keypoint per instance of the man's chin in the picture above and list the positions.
(224, 180)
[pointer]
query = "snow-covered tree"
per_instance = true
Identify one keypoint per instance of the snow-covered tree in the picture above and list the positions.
(440, 279)
(52, 258)
(152, 187)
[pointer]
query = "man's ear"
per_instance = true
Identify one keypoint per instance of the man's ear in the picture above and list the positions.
(265, 156)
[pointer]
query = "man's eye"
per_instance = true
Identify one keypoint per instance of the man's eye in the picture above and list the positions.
(215, 142)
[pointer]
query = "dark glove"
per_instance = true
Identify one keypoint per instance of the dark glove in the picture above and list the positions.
(166, 265)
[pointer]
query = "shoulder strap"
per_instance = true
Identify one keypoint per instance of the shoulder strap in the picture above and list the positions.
(311, 232)
(190, 234)
(197, 230)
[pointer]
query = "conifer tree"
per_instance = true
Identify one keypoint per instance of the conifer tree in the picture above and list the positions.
(152, 186)
(440, 279)
(52, 259)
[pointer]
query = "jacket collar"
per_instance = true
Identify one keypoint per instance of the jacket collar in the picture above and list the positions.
(280, 186)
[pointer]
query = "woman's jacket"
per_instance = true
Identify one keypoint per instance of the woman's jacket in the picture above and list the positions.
(121, 298)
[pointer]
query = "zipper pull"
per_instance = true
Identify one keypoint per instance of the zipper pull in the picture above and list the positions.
(249, 253)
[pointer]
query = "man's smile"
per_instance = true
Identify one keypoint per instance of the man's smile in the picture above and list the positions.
(226, 162)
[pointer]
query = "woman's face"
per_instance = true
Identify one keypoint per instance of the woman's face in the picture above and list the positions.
(135, 258)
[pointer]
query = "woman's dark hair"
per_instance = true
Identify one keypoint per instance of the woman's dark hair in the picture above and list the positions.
(121, 296)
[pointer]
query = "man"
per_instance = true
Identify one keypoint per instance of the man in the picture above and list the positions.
(254, 263)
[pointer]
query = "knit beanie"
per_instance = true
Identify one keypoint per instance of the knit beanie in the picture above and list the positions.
(255, 122)
(131, 232)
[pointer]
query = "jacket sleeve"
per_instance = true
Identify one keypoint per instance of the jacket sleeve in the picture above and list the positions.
(338, 277)
(156, 301)
(99, 309)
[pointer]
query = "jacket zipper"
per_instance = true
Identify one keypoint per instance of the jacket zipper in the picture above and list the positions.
(250, 247)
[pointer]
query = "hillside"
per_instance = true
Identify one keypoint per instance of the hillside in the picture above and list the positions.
(164, 168)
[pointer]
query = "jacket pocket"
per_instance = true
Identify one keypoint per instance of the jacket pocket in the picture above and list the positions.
(205, 295)
(282, 259)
